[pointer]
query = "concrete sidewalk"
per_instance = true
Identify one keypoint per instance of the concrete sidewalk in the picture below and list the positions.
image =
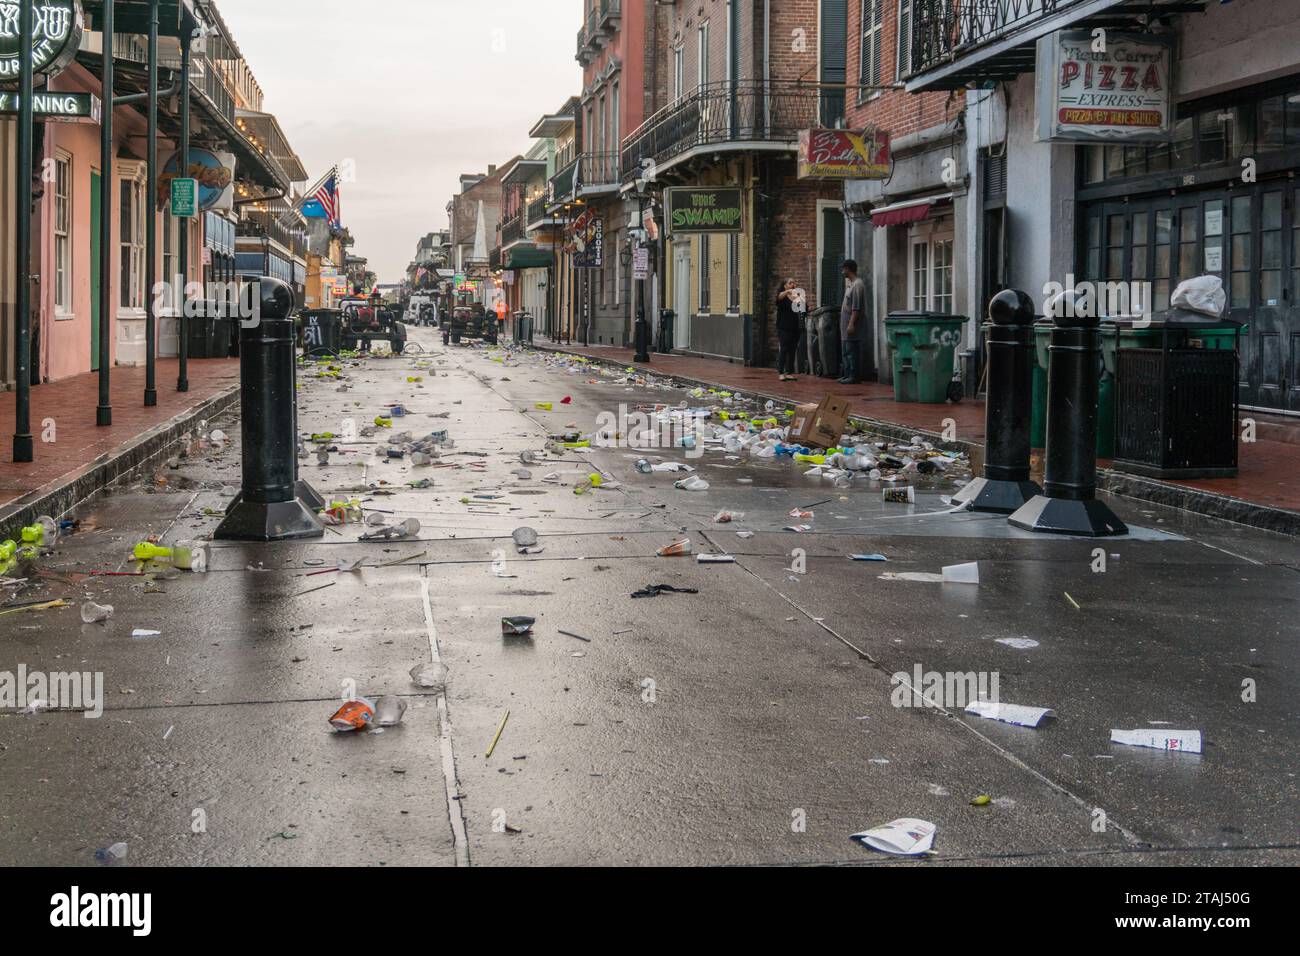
(1265, 494)
(75, 459)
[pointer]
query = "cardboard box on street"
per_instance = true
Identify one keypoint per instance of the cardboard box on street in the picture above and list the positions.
(820, 425)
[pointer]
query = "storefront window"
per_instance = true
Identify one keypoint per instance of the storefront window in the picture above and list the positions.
(943, 275)
(1114, 247)
(1272, 123)
(131, 235)
(1293, 119)
(1160, 275)
(733, 273)
(1183, 144)
(1239, 281)
(1138, 257)
(1189, 235)
(1270, 249)
(62, 233)
(704, 270)
(1214, 237)
(920, 276)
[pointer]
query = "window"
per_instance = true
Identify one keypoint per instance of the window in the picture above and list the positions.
(943, 276)
(733, 273)
(131, 235)
(171, 260)
(602, 139)
(616, 134)
(679, 73)
(930, 276)
(872, 33)
(62, 233)
(903, 58)
(704, 270)
(703, 77)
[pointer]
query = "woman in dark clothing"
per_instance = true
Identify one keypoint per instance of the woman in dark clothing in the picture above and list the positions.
(791, 304)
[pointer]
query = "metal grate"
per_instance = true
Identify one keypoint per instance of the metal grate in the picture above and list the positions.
(1176, 409)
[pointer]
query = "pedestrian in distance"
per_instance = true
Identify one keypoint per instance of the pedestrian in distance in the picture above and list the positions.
(851, 322)
(791, 304)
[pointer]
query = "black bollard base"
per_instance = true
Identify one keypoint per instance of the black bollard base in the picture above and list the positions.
(308, 495)
(996, 496)
(283, 521)
(1090, 518)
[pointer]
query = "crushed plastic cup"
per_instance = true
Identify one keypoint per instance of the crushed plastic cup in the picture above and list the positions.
(92, 613)
(517, 626)
(356, 714)
(429, 675)
(962, 573)
(111, 854)
(49, 530)
(644, 467)
(676, 549)
(693, 483)
(726, 517)
(389, 711)
(375, 520)
(904, 495)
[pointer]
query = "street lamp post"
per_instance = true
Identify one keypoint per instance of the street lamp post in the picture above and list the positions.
(151, 220)
(104, 413)
(641, 334)
(183, 170)
(24, 448)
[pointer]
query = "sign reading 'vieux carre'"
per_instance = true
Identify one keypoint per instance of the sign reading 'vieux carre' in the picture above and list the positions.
(57, 27)
(705, 209)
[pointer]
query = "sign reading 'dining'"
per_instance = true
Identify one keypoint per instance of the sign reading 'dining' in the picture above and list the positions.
(56, 36)
(1107, 87)
(64, 107)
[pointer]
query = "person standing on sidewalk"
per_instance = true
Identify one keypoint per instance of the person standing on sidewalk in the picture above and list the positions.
(851, 321)
(791, 303)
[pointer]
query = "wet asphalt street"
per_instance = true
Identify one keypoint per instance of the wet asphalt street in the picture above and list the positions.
(749, 723)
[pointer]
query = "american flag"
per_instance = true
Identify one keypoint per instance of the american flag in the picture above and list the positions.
(328, 196)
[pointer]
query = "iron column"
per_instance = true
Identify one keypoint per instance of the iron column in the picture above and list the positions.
(151, 222)
(23, 447)
(104, 413)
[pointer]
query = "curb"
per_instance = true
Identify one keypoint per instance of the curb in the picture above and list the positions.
(1207, 503)
(66, 492)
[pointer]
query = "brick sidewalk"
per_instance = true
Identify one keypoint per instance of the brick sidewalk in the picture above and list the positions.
(79, 442)
(1269, 468)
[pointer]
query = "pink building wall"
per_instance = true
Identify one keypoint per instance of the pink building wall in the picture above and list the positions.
(66, 341)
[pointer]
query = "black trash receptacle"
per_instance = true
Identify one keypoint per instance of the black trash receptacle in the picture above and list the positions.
(201, 331)
(667, 317)
(322, 331)
(1176, 405)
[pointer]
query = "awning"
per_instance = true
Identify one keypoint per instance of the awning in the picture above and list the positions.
(529, 257)
(911, 210)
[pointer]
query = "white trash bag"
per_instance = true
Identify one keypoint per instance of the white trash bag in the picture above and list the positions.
(1203, 294)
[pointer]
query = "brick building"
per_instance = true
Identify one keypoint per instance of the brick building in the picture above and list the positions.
(734, 83)
(911, 234)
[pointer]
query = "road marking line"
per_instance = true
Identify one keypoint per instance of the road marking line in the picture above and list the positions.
(455, 816)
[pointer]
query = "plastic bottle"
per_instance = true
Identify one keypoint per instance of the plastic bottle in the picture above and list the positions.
(92, 613)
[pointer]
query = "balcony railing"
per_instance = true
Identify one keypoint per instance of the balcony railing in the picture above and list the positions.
(512, 230)
(723, 113)
(596, 170)
(537, 210)
(943, 30)
(561, 185)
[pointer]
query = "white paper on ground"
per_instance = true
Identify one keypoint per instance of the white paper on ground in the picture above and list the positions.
(1019, 643)
(714, 559)
(1186, 741)
(1017, 714)
(925, 576)
(962, 573)
(903, 837)
(142, 632)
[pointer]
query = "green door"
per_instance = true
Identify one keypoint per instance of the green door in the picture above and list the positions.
(96, 199)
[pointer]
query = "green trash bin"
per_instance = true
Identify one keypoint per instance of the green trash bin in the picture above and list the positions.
(924, 346)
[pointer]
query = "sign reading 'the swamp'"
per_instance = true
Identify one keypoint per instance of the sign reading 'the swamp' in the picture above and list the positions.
(705, 209)
(1104, 86)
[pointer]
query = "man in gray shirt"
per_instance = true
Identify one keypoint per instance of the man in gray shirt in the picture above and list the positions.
(852, 324)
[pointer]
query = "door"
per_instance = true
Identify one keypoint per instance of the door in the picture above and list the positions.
(96, 200)
(682, 295)
(1272, 334)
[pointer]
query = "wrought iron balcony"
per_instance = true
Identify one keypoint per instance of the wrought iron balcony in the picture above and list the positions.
(723, 115)
(560, 188)
(512, 230)
(537, 210)
(598, 171)
(955, 42)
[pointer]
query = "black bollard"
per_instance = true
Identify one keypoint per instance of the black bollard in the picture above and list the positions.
(268, 508)
(1005, 485)
(1069, 502)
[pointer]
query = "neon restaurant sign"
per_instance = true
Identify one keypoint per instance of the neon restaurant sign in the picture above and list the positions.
(57, 28)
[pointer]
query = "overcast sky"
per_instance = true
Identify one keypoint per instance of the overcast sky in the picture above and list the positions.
(416, 92)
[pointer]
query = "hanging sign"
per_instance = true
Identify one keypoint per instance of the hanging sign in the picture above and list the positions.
(215, 173)
(185, 203)
(704, 209)
(844, 154)
(1112, 87)
(589, 243)
(56, 36)
(60, 107)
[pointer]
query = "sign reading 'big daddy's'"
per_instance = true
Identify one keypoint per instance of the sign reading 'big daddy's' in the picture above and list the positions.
(1104, 86)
